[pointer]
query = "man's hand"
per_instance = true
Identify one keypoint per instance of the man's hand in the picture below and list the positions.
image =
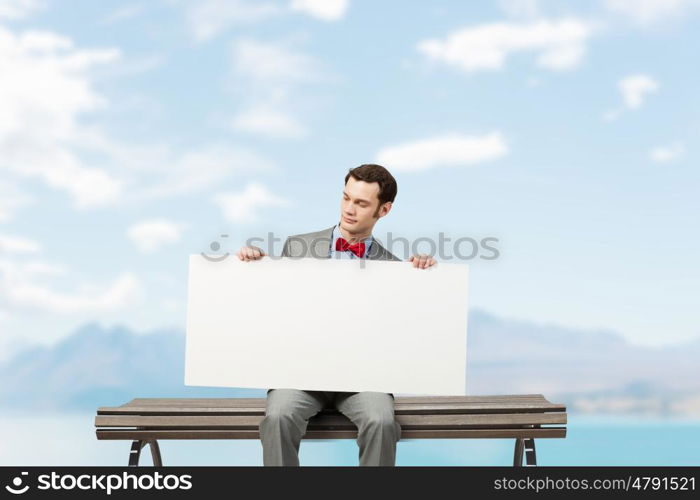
(422, 261)
(250, 253)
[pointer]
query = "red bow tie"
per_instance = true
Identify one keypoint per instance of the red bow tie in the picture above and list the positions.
(356, 248)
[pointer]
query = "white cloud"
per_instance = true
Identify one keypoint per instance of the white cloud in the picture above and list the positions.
(269, 122)
(11, 200)
(18, 9)
(445, 150)
(43, 268)
(268, 74)
(17, 244)
(156, 170)
(209, 18)
(647, 12)
(161, 173)
(124, 12)
(634, 89)
(326, 10)
(45, 87)
(244, 206)
(115, 296)
(520, 8)
(151, 235)
(62, 169)
(665, 154)
(558, 44)
(23, 283)
(22, 286)
(273, 63)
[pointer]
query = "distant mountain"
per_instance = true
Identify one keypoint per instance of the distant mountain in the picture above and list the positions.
(519, 356)
(590, 371)
(102, 367)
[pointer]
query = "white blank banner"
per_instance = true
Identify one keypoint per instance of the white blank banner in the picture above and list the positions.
(327, 325)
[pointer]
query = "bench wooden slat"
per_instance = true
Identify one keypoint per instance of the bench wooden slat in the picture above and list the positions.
(480, 398)
(399, 408)
(340, 434)
(232, 402)
(322, 421)
(529, 403)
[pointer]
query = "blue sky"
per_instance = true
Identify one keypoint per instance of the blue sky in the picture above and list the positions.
(135, 133)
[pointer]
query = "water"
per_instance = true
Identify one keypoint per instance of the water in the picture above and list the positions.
(69, 439)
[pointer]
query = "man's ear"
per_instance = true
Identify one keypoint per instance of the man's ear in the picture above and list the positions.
(385, 209)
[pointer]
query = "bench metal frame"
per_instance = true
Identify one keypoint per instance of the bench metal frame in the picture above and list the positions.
(145, 421)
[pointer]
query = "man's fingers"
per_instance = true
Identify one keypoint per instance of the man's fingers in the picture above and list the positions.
(250, 253)
(417, 260)
(422, 261)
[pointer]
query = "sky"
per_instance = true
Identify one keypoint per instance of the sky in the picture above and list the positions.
(133, 134)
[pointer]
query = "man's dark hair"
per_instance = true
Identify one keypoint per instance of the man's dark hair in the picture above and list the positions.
(370, 172)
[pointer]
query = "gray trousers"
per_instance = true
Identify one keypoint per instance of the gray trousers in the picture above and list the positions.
(288, 412)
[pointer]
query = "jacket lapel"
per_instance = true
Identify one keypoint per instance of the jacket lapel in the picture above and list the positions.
(376, 251)
(321, 244)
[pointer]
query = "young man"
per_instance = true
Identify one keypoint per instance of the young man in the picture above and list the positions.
(368, 196)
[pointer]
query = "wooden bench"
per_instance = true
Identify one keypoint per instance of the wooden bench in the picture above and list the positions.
(523, 417)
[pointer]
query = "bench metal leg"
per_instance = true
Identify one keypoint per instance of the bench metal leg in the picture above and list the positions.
(135, 452)
(528, 446)
(158, 462)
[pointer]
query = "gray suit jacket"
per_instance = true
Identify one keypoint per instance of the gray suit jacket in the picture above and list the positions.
(317, 245)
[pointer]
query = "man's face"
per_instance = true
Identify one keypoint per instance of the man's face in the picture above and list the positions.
(359, 206)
